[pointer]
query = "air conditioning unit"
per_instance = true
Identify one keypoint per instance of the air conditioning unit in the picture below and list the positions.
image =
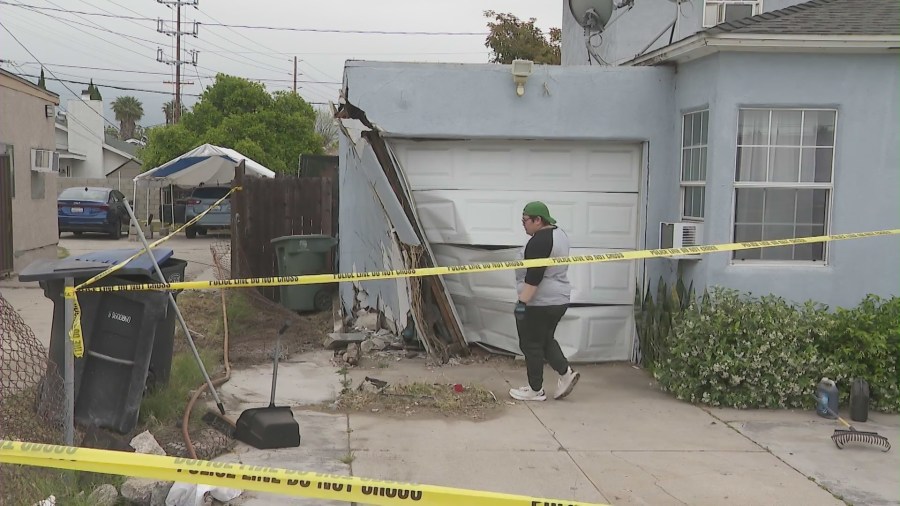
(681, 235)
(44, 160)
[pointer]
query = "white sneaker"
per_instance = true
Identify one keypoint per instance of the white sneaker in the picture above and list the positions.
(527, 394)
(566, 383)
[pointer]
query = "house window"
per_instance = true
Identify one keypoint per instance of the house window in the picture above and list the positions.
(783, 180)
(694, 133)
(720, 11)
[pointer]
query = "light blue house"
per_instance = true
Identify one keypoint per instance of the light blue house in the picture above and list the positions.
(779, 125)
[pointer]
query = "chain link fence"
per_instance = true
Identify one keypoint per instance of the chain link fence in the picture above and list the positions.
(32, 401)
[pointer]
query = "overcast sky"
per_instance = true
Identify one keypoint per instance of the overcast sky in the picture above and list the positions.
(64, 38)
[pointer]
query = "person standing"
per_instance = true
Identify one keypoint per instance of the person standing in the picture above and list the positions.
(544, 294)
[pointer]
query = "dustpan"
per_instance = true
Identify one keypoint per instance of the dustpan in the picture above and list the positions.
(272, 426)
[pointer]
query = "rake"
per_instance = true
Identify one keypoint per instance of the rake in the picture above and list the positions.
(841, 436)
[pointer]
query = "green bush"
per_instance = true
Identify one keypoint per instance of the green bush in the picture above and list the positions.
(743, 352)
(864, 342)
(740, 351)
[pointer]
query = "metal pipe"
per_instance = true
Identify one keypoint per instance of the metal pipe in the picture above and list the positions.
(69, 371)
(184, 327)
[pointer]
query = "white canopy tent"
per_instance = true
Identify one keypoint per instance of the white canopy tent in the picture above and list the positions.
(203, 165)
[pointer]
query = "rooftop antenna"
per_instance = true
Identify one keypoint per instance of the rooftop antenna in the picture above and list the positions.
(595, 16)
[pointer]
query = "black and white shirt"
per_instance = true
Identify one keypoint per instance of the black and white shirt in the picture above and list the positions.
(552, 282)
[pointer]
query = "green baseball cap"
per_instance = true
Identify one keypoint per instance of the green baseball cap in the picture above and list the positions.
(538, 208)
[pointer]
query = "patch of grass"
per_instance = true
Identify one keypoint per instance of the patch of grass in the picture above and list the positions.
(61, 252)
(165, 406)
(240, 312)
(418, 397)
(29, 485)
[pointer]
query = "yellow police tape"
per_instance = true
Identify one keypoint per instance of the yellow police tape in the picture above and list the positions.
(75, 333)
(70, 292)
(259, 478)
(472, 268)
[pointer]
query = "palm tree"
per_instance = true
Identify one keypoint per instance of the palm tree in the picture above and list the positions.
(169, 110)
(128, 111)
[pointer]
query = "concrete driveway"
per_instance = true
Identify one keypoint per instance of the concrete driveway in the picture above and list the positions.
(28, 298)
(616, 440)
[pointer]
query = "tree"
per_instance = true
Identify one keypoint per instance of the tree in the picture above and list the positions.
(273, 129)
(511, 38)
(326, 127)
(128, 111)
(42, 82)
(94, 92)
(169, 110)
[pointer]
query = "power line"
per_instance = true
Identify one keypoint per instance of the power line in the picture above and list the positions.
(149, 72)
(261, 27)
(69, 23)
(54, 75)
(238, 34)
(101, 85)
(93, 25)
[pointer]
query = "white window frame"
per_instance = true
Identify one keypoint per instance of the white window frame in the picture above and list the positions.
(698, 183)
(829, 186)
(719, 7)
(44, 160)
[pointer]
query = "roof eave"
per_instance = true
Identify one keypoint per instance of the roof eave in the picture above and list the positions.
(119, 152)
(703, 44)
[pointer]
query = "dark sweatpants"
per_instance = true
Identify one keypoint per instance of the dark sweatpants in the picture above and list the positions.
(538, 344)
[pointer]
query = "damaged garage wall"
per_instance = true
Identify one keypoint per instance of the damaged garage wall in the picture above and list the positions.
(473, 152)
(376, 226)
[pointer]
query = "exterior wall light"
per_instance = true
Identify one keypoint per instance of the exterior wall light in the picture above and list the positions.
(521, 69)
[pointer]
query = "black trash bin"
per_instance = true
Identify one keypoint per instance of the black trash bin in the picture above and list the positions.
(164, 341)
(125, 333)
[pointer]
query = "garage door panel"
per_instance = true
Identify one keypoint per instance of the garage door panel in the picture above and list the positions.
(520, 165)
(493, 218)
(597, 283)
(585, 334)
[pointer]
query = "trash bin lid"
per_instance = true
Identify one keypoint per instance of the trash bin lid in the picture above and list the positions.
(91, 264)
(113, 256)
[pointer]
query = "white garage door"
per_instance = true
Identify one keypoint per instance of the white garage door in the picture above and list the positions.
(469, 196)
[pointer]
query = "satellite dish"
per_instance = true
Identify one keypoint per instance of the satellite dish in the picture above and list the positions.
(592, 14)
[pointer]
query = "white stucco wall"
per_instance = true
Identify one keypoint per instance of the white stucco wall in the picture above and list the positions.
(372, 226)
(865, 90)
(85, 123)
(24, 125)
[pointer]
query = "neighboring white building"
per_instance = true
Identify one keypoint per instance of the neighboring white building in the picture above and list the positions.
(85, 151)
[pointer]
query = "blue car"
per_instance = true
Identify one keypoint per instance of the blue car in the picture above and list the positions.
(87, 209)
(201, 199)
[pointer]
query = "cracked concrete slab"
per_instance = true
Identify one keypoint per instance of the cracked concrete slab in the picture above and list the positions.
(323, 449)
(698, 477)
(302, 380)
(859, 474)
(548, 474)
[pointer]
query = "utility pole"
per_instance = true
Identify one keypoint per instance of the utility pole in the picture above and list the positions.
(177, 61)
(295, 75)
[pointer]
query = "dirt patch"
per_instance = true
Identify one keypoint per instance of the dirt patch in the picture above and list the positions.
(252, 325)
(419, 398)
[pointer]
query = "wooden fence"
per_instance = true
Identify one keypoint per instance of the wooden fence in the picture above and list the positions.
(268, 208)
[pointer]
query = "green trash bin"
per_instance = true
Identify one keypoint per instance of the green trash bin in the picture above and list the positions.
(299, 255)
